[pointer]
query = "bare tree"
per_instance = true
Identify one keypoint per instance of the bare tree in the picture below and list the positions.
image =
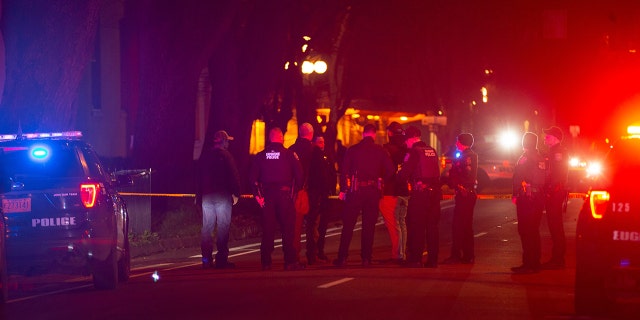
(48, 46)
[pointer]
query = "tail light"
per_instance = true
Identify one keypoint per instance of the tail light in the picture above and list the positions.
(598, 201)
(88, 194)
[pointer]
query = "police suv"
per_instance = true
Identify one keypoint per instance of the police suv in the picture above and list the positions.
(608, 234)
(61, 211)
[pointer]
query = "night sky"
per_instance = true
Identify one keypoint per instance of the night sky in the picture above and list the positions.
(571, 61)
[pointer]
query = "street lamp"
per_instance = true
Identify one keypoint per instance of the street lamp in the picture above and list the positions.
(309, 67)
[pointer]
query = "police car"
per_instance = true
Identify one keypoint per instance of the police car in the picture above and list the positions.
(61, 211)
(4, 278)
(608, 234)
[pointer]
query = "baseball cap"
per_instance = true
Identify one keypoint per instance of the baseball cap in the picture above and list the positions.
(466, 139)
(412, 131)
(222, 136)
(395, 128)
(554, 131)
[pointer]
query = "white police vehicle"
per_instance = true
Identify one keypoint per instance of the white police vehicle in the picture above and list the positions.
(61, 211)
(608, 234)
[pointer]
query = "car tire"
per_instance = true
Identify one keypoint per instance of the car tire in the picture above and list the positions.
(105, 273)
(4, 277)
(589, 299)
(124, 264)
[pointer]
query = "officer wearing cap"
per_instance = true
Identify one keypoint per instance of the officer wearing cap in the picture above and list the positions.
(528, 196)
(462, 179)
(364, 167)
(421, 169)
(393, 205)
(557, 172)
(303, 149)
(218, 190)
(275, 176)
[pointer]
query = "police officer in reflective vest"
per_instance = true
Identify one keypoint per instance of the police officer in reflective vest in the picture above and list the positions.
(421, 169)
(528, 196)
(462, 179)
(276, 174)
(557, 165)
(365, 166)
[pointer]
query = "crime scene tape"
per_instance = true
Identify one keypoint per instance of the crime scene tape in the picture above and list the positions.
(572, 195)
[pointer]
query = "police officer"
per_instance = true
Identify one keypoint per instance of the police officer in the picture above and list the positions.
(557, 165)
(322, 184)
(528, 196)
(303, 149)
(364, 167)
(462, 179)
(421, 170)
(276, 174)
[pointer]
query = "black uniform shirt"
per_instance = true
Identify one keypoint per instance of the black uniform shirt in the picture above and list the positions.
(303, 148)
(422, 164)
(530, 169)
(464, 169)
(397, 150)
(322, 175)
(557, 164)
(367, 161)
(276, 166)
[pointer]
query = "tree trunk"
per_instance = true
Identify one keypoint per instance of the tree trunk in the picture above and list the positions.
(48, 46)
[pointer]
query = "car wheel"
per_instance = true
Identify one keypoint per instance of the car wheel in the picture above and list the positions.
(124, 265)
(4, 277)
(589, 296)
(105, 273)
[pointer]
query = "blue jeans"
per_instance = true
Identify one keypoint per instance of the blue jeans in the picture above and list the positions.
(216, 210)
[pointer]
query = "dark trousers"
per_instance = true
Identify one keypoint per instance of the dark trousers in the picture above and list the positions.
(423, 217)
(462, 226)
(317, 221)
(278, 209)
(529, 211)
(366, 201)
(554, 203)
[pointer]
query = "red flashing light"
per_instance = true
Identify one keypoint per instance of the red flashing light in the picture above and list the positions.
(598, 201)
(88, 194)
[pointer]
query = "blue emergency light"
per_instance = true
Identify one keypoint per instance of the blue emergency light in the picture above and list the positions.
(39, 153)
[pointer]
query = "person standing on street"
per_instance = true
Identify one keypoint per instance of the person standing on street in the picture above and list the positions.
(421, 169)
(275, 176)
(557, 172)
(303, 149)
(218, 190)
(365, 166)
(322, 184)
(528, 196)
(462, 179)
(393, 205)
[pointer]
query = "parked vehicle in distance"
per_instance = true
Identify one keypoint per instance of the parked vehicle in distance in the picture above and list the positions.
(61, 211)
(608, 233)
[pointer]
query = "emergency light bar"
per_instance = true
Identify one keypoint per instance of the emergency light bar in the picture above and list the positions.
(63, 134)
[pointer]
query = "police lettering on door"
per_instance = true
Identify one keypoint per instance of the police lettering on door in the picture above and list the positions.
(53, 222)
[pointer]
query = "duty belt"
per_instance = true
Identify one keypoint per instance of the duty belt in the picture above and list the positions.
(277, 187)
(367, 183)
(420, 186)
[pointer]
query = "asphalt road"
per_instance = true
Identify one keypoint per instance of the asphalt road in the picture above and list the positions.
(172, 285)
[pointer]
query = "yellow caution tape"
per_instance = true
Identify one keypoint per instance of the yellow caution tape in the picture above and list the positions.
(573, 195)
